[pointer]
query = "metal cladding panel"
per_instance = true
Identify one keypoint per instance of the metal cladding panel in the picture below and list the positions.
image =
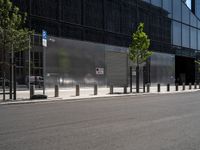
(70, 62)
(116, 68)
(162, 68)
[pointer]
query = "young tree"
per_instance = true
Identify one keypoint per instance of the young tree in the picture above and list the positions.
(13, 35)
(138, 50)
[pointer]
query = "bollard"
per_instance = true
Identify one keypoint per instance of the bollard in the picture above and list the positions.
(168, 87)
(111, 89)
(77, 90)
(195, 85)
(148, 88)
(176, 86)
(183, 86)
(32, 90)
(144, 88)
(158, 86)
(190, 86)
(199, 85)
(125, 90)
(95, 89)
(56, 91)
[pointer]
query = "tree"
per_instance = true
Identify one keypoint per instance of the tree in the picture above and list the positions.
(138, 50)
(13, 35)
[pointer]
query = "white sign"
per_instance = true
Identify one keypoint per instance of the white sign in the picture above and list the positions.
(100, 71)
(44, 42)
(44, 38)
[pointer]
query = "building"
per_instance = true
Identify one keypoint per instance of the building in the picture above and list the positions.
(90, 35)
(196, 7)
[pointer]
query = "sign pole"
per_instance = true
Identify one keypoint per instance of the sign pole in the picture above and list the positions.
(44, 44)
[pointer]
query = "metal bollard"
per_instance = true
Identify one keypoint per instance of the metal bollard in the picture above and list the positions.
(190, 86)
(195, 85)
(95, 89)
(168, 87)
(56, 91)
(176, 86)
(183, 86)
(111, 89)
(32, 91)
(77, 90)
(125, 90)
(144, 88)
(158, 86)
(199, 85)
(148, 88)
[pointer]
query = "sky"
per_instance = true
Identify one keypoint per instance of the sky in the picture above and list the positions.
(188, 2)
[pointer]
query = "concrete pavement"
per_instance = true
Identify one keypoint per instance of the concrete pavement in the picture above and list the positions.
(88, 93)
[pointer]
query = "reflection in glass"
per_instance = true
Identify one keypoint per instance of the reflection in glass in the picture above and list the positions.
(167, 5)
(156, 2)
(185, 36)
(193, 38)
(176, 33)
(177, 10)
(185, 14)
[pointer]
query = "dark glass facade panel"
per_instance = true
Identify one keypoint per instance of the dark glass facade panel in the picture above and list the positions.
(128, 18)
(176, 33)
(93, 13)
(147, 1)
(72, 31)
(197, 8)
(23, 4)
(193, 20)
(157, 2)
(91, 35)
(177, 10)
(198, 40)
(167, 5)
(72, 11)
(193, 38)
(185, 14)
(50, 26)
(45, 8)
(112, 15)
(198, 22)
(185, 36)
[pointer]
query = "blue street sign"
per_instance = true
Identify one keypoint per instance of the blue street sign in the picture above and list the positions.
(44, 34)
(44, 38)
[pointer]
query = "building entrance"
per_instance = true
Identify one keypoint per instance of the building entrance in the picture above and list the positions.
(185, 70)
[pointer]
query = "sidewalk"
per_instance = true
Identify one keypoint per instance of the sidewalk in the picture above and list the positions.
(68, 94)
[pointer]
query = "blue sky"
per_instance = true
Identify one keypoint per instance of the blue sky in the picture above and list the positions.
(188, 2)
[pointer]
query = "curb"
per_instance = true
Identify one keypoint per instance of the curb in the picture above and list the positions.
(79, 99)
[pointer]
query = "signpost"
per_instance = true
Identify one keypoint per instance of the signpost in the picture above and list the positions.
(44, 38)
(44, 44)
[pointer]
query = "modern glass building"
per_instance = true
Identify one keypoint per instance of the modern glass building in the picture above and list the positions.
(196, 7)
(87, 35)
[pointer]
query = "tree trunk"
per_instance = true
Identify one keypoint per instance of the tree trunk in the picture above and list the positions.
(137, 79)
(10, 78)
(131, 79)
(15, 82)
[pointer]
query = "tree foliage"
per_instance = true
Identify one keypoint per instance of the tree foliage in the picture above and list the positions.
(13, 34)
(138, 50)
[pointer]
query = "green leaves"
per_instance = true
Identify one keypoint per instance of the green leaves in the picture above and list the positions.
(12, 31)
(138, 50)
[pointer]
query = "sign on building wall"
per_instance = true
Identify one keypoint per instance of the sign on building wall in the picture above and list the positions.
(99, 71)
(44, 38)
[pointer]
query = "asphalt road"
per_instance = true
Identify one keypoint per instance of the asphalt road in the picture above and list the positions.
(156, 122)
